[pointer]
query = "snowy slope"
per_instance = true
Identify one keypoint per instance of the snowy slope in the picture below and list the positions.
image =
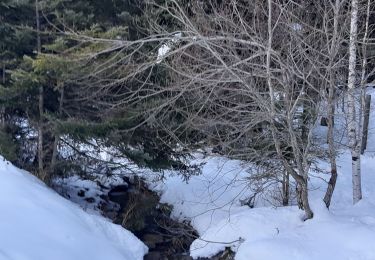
(37, 224)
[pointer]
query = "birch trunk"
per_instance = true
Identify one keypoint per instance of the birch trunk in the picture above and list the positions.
(354, 144)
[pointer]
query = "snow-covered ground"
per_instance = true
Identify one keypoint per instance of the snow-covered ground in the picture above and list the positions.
(213, 205)
(212, 201)
(38, 224)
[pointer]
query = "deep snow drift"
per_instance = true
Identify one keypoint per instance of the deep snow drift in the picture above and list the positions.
(38, 224)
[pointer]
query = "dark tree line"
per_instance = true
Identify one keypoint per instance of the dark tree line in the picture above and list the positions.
(52, 90)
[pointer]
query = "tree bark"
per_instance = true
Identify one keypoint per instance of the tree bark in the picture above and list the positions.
(365, 99)
(366, 123)
(354, 144)
(331, 109)
(285, 189)
(301, 181)
(331, 148)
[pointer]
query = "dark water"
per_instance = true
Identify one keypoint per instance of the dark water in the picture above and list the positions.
(141, 213)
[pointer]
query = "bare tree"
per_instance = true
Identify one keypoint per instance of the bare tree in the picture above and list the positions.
(353, 125)
(237, 77)
(246, 78)
(335, 34)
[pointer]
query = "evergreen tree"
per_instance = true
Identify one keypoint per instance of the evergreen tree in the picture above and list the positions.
(79, 101)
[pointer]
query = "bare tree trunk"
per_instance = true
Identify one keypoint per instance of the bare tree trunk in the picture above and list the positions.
(331, 110)
(301, 181)
(365, 100)
(302, 196)
(285, 189)
(366, 123)
(331, 147)
(352, 120)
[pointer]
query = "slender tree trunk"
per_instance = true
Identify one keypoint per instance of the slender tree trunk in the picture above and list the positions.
(331, 111)
(332, 150)
(366, 123)
(365, 100)
(352, 120)
(301, 181)
(285, 189)
(302, 196)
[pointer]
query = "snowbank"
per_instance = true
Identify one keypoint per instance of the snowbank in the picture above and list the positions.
(211, 201)
(37, 224)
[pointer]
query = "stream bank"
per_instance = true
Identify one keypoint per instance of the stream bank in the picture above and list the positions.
(129, 202)
(141, 212)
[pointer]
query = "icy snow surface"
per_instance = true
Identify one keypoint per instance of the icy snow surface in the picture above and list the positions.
(38, 224)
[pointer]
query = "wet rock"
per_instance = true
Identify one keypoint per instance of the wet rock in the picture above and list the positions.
(227, 254)
(155, 255)
(151, 240)
(119, 195)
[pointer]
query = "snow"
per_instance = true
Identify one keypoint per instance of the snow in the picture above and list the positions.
(296, 26)
(162, 51)
(212, 202)
(38, 224)
(166, 47)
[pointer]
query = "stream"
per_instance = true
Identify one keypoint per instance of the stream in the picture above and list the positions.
(138, 209)
(141, 212)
